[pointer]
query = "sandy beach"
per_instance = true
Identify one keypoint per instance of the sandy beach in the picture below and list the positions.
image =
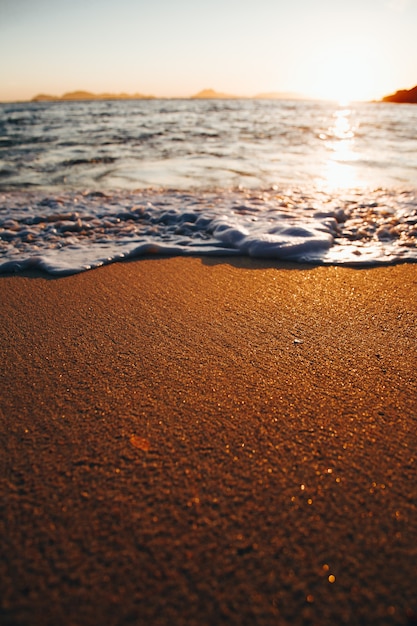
(209, 441)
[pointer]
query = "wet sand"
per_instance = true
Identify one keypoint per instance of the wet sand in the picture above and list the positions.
(190, 441)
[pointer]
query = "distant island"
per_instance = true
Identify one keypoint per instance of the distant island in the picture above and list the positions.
(403, 96)
(86, 95)
(204, 94)
(211, 94)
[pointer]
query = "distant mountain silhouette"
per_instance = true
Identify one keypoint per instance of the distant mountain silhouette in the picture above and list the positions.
(404, 96)
(211, 94)
(86, 95)
(208, 94)
(273, 95)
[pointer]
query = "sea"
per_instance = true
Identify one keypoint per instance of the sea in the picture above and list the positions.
(84, 184)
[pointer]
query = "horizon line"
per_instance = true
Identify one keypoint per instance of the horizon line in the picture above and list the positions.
(80, 95)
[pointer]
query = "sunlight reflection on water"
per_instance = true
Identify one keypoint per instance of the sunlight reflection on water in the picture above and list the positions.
(340, 170)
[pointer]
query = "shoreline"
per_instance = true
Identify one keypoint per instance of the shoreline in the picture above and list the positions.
(209, 441)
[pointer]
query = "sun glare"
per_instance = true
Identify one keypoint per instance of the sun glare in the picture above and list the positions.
(343, 74)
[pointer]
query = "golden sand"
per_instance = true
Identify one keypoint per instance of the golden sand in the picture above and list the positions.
(190, 441)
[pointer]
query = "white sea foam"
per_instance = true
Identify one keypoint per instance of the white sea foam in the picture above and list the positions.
(72, 232)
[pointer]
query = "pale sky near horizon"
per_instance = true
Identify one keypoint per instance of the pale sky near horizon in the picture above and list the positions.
(341, 49)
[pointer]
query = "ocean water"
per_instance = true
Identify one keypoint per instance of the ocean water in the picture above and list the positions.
(83, 184)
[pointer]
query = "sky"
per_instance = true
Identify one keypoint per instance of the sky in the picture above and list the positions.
(336, 49)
